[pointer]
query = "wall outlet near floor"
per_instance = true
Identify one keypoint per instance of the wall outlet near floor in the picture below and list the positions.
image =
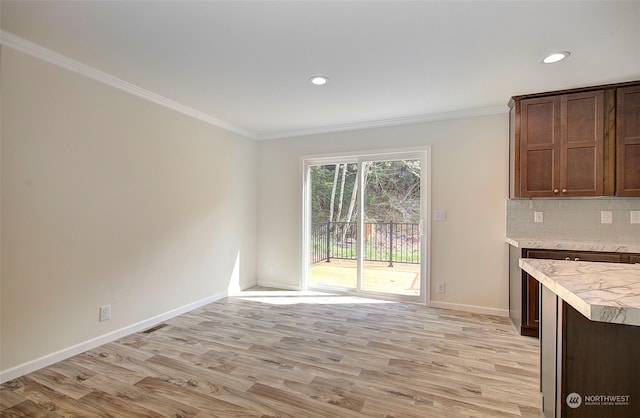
(538, 217)
(440, 288)
(272, 270)
(105, 313)
(635, 216)
(439, 215)
(606, 217)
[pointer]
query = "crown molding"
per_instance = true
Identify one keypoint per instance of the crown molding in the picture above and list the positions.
(20, 44)
(410, 120)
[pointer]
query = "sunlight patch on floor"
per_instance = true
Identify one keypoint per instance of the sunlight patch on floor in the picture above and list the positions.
(294, 297)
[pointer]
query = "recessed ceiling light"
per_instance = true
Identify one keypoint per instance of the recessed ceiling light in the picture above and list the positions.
(555, 57)
(318, 80)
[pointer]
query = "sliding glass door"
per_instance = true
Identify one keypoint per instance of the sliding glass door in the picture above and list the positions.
(333, 234)
(363, 225)
(392, 218)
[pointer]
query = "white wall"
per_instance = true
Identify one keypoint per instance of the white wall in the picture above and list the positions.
(110, 199)
(469, 181)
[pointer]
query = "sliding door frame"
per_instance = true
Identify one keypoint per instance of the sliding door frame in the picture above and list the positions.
(424, 155)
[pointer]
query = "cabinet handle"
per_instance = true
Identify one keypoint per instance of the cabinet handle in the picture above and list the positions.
(564, 190)
(555, 191)
(577, 258)
(567, 259)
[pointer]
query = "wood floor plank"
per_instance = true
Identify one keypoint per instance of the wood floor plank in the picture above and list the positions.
(28, 409)
(104, 367)
(113, 406)
(137, 396)
(312, 407)
(211, 404)
(207, 379)
(57, 402)
(9, 397)
(65, 378)
(296, 356)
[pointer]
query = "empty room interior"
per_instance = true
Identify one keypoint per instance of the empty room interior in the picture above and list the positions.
(320, 209)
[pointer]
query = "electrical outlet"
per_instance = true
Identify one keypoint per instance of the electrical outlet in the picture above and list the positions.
(272, 270)
(635, 216)
(440, 288)
(606, 217)
(538, 217)
(439, 215)
(105, 313)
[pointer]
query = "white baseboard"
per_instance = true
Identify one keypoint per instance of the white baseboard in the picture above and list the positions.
(65, 353)
(277, 285)
(249, 285)
(469, 308)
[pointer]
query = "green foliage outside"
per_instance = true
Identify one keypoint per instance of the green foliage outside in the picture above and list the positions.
(392, 194)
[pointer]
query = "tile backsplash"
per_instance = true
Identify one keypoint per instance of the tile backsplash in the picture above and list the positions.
(574, 219)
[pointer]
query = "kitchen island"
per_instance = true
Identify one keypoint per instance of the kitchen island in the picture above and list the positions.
(523, 288)
(589, 338)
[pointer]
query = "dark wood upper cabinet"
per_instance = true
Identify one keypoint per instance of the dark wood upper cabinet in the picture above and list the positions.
(628, 141)
(540, 146)
(582, 144)
(564, 144)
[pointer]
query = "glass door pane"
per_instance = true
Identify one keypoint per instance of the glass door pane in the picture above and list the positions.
(333, 260)
(391, 238)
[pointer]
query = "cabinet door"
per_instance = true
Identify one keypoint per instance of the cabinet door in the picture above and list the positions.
(532, 319)
(634, 259)
(582, 144)
(539, 146)
(562, 145)
(628, 142)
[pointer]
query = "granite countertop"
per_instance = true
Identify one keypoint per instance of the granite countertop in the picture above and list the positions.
(573, 245)
(604, 292)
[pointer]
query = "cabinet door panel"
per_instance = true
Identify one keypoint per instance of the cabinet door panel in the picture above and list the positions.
(628, 142)
(539, 171)
(631, 163)
(540, 121)
(540, 146)
(581, 169)
(582, 144)
(581, 117)
(532, 318)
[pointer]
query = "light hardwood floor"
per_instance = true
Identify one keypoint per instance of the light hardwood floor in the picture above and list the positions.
(278, 355)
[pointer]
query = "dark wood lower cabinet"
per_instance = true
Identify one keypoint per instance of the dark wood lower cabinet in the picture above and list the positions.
(523, 289)
(588, 369)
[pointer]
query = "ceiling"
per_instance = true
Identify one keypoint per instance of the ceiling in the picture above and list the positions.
(245, 65)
